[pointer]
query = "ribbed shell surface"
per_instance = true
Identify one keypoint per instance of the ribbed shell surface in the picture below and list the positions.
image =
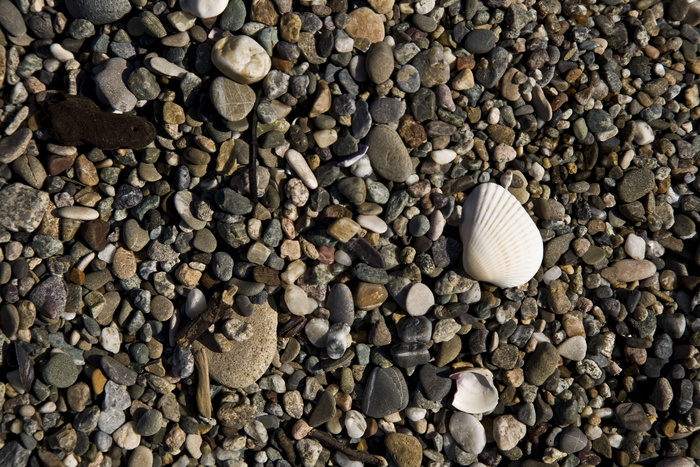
(501, 244)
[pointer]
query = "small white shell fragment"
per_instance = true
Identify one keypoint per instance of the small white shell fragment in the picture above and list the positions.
(468, 432)
(501, 244)
(373, 223)
(302, 169)
(79, 213)
(355, 424)
(107, 254)
(443, 156)
(476, 393)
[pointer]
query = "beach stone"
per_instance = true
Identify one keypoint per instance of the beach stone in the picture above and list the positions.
(388, 154)
(405, 450)
(629, 270)
(244, 363)
(141, 457)
(419, 299)
(232, 100)
(22, 207)
(241, 58)
(386, 392)
(435, 381)
(479, 41)
(573, 348)
(98, 11)
(341, 305)
(363, 23)
(111, 86)
(204, 8)
(631, 416)
(541, 363)
(126, 436)
(60, 371)
(573, 440)
(379, 62)
(150, 423)
(508, 431)
(635, 184)
(11, 19)
(432, 67)
(14, 145)
(498, 59)
(50, 296)
(117, 372)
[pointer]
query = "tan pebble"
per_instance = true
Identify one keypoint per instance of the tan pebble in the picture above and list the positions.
(124, 263)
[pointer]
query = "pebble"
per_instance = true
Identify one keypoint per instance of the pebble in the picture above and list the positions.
(246, 361)
(507, 432)
(111, 87)
(541, 364)
(628, 270)
(241, 58)
(99, 11)
(60, 371)
(388, 155)
(386, 392)
(419, 299)
(405, 450)
(232, 100)
(141, 457)
(22, 207)
(203, 8)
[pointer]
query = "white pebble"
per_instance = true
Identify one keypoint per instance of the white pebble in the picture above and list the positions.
(373, 223)
(126, 436)
(241, 58)
(196, 303)
(443, 156)
(635, 246)
(419, 299)
(204, 8)
(355, 424)
(79, 213)
(362, 168)
(537, 171)
(343, 258)
(111, 339)
(297, 301)
(107, 255)
(415, 413)
(412, 179)
(551, 274)
(437, 225)
(643, 133)
(301, 168)
(325, 138)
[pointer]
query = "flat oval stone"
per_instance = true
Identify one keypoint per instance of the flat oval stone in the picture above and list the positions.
(388, 154)
(386, 392)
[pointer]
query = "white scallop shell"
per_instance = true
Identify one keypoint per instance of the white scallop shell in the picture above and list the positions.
(501, 244)
(476, 393)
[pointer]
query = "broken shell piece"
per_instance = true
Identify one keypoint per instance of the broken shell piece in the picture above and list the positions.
(476, 393)
(501, 244)
(468, 432)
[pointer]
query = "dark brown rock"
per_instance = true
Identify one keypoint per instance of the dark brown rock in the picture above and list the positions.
(76, 120)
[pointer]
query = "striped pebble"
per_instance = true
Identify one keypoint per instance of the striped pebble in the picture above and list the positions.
(373, 223)
(302, 169)
(80, 213)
